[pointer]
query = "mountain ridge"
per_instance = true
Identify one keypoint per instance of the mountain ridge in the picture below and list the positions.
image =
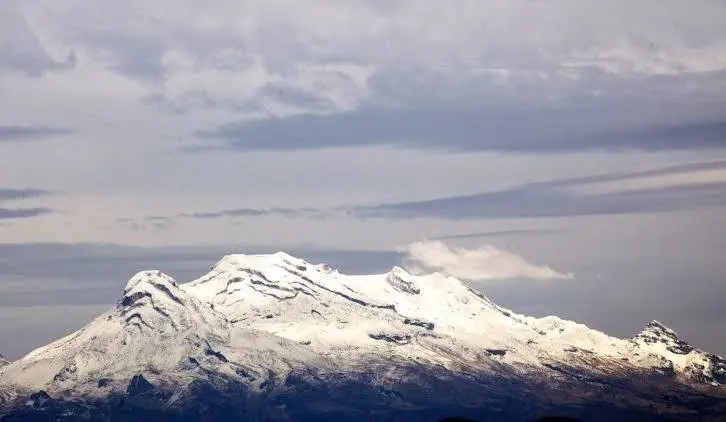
(269, 324)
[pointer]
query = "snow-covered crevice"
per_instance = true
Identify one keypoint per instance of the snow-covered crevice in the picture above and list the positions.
(356, 299)
(397, 279)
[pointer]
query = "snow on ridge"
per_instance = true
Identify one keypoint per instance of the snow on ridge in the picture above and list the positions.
(148, 276)
(280, 299)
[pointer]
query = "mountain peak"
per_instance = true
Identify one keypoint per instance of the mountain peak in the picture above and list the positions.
(234, 262)
(655, 332)
(148, 284)
(657, 326)
(148, 276)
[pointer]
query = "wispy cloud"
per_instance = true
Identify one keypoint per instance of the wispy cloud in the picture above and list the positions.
(499, 233)
(570, 197)
(19, 213)
(477, 127)
(687, 186)
(165, 222)
(17, 133)
(14, 195)
(483, 263)
(257, 212)
(153, 222)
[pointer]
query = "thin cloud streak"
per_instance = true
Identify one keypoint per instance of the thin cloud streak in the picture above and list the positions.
(473, 127)
(21, 213)
(558, 198)
(499, 233)
(17, 194)
(582, 196)
(16, 133)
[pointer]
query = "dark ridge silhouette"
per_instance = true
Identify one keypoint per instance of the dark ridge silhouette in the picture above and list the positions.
(457, 420)
(543, 419)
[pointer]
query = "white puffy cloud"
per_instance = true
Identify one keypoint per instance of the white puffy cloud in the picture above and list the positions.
(483, 263)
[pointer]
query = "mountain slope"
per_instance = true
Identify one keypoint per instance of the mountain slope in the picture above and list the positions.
(282, 338)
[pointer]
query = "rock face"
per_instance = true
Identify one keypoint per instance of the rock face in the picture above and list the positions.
(272, 337)
(3, 361)
(138, 385)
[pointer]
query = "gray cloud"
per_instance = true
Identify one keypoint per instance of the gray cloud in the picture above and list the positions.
(17, 133)
(555, 198)
(498, 233)
(18, 213)
(154, 222)
(473, 127)
(11, 194)
(20, 46)
(624, 176)
(166, 222)
(550, 199)
(256, 212)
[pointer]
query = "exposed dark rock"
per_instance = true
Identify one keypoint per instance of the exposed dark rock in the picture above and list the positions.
(40, 399)
(138, 385)
(718, 368)
(131, 299)
(496, 352)
(216, 354)
(391, 338)
(419, 322)
(66, 373)
(680, 347)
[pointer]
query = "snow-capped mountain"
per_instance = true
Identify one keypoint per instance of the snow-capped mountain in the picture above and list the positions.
(277, 338)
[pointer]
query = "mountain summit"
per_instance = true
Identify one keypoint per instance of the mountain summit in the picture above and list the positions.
(273, 337)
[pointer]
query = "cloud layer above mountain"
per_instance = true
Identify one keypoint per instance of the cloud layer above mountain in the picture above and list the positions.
(482, 263)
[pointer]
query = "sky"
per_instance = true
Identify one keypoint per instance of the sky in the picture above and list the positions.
(565, 157)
